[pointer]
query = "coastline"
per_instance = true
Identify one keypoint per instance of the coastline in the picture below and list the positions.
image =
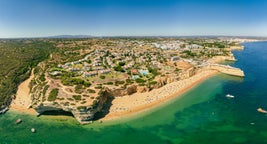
(127, 106)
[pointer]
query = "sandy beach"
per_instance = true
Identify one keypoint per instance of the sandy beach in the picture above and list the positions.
(139, 102)
(23, 99)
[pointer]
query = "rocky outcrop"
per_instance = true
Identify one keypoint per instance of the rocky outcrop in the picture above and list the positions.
(142, 89)
(131, 89)
(84, 114)
(3, 110)
(226, 69)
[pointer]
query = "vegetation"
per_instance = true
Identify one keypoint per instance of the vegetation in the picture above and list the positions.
(79, 89)
(53, 94)
(91, 91)
(128, 81)
(102, 77)
(139, 80)
(153, 71)
(67, 79)
(152, 82)
(188, 54)
(17, 59)
(109, 83)
(119, 68)
(119, 82)
(77, 97)
(121, 63)
(45, 89)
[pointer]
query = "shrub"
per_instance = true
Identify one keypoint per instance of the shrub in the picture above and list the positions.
(77, 97)
(42, 77)
(70, 99)
(119, 82)
(153, 82)
(53, 95)
(83, 102)
(91, 91)
(109, 83)
(128, 81)
(119, 68)
(154, 71)
(102, 77)
(87, 84)
(121, 63)
(79, 89)
(45, 89)
(98, 87)
(60, 98)
(139, 80)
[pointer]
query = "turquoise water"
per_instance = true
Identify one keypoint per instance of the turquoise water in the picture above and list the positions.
(202, 115)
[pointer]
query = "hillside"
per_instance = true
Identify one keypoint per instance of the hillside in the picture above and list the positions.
(17, 58)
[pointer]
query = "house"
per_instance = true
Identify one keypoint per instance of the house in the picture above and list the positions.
(55, 73)
(74, 69)
(98, 68)
(104, 71)
(92, 73)
(193, 46)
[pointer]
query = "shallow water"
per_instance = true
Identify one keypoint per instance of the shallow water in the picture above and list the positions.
(202, 115)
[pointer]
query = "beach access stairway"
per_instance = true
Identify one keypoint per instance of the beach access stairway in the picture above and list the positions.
(226, 69)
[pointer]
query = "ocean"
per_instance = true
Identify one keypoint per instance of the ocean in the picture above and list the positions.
(201, 115)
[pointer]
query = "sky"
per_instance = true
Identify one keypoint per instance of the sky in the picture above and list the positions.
(37, 18)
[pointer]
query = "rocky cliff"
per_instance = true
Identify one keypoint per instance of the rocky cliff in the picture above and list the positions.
(84, 114)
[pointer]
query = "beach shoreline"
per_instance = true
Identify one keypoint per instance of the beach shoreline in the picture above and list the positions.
(127, 106)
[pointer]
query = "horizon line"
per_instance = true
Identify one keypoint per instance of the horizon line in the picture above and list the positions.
(125, 36)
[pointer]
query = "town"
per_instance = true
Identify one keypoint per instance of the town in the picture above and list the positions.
(82, 72)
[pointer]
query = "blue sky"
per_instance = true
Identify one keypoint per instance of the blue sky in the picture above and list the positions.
(33, 18)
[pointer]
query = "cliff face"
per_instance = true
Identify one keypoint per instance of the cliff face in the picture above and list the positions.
(122, 92)
(84, 114)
